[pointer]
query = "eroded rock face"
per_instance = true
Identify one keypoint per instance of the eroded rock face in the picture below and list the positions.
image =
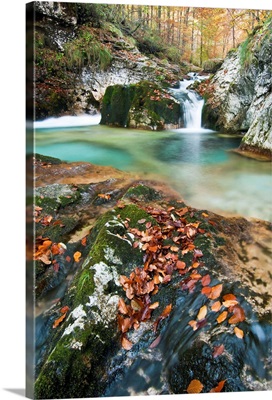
(239, 95)
(158, 285)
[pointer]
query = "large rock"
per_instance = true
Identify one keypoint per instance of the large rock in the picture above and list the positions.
(143, 105)
(159, 285)
(238, 97)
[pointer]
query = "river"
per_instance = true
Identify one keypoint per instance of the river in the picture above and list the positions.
(197, 163)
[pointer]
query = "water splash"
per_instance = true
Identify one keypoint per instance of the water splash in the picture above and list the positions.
(68, 121)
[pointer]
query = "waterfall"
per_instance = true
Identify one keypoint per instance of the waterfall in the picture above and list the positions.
(191, 103)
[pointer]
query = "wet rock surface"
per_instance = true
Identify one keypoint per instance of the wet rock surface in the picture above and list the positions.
(146, 294)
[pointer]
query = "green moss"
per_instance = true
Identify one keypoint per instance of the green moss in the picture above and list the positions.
(58, 233)
(48, 159)
(142, 193)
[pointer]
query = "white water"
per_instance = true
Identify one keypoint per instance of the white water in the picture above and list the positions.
(68, 121)
(191, 104)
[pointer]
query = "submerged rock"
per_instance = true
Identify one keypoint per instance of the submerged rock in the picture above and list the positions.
(161, 295)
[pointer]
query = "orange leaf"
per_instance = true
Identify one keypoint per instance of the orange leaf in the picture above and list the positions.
(153, 249)
(229, 303)
(206, 290)
(195, 264)
(154, 305)
(195, 276)
(126, 344)
(59, 320)
(55, 249)
(229, 297)
(166, 311)
(219, 387)
(239, 333)
(83, 241)
(64, 309)
(216, 306)
(180, 264)
(218, 350)
(202, 313)
(122, 307)
(193, 324)
(216, 291)
(77, 256)
(195, 386)
(222, 317)
(238, 315)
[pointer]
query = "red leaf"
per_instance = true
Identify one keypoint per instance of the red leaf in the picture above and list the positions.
(83, 241)
(64, 309)
(206, 280)
(218, 350)
(180, 264)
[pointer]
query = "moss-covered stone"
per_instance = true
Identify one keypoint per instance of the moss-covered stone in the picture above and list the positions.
(144, 105)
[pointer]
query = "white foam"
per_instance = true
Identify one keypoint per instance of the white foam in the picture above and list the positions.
(68, 121)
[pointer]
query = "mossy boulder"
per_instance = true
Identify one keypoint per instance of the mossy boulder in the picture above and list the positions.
(144, 105)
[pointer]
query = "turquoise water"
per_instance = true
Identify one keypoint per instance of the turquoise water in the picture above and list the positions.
(197, 163)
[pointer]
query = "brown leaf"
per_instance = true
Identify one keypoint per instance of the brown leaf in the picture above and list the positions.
(239, 333)
(222, 317)
(216, 306)
(59, 320)
(166, 311)
(195, 386)
(218, 350)
(202, 313)
(122, 307)
(77, 256)
(216, 291)
(206, 280)
(126, 344)
(238, 315)
(219, 387)
(83, 241)
(180, 264)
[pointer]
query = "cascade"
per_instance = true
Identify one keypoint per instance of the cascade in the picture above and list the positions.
(191, 102)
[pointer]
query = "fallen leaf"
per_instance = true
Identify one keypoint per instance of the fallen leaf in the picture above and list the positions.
(222, 317)
(216, 306)
(180, 264)
(216, 291)
(126, 344)
(166, 311)
(155, 342)
(229, 303)
(174, 248)
(154, 305)
(229, 297)
(239, 333)
(202, 313)
(68, 258)
(64, 309)
(193, 324)
(122, 307)
(83, 241)
(59, 320)
(219, 387)
(218, 350)
(55, 249)
(205, 215)
(206, 280)
(206, 290)
(45, 259)
(238, 315)
(141, 221)
(77, 256)
(195, 386)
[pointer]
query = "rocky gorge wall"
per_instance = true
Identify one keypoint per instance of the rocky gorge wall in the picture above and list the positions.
(239, 97)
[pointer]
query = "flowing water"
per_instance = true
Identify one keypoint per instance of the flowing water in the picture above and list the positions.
(196, 162)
